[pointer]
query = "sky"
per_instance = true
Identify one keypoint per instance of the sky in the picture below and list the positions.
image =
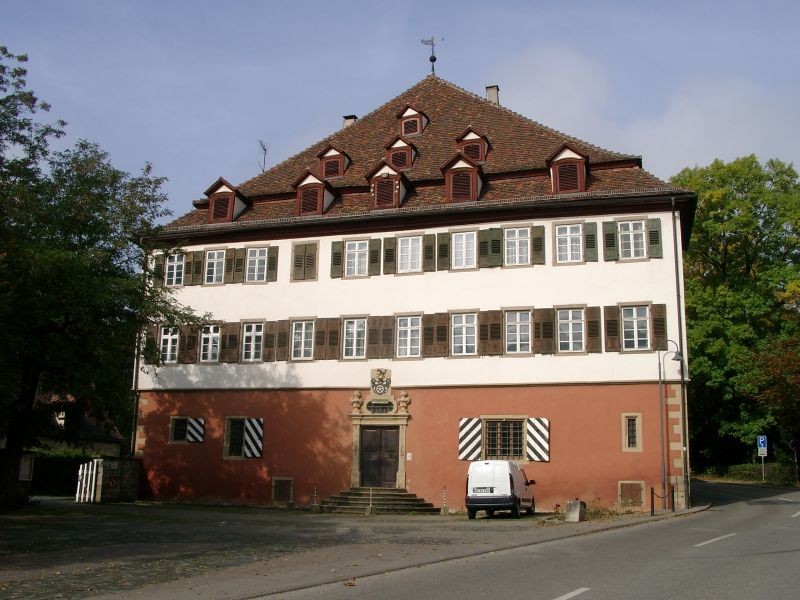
(191, 87)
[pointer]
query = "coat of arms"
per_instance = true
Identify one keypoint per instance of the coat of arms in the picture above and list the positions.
(381, 383)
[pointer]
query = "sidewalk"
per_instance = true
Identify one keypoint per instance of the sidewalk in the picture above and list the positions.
(60, 549)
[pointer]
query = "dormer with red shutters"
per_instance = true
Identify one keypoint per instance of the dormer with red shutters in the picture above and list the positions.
(568, 170)
(473, 145)
(463, 179)
(314, 195)
(400, 153)
(332, 162)
(412, 122)
(225, 202)
(388, 187)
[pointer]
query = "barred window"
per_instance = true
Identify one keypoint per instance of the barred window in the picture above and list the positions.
(504, 439)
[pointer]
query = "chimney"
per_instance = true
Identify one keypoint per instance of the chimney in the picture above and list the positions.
(348, 120)
(493, 94)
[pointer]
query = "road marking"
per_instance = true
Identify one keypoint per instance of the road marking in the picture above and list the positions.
(787, 500)
(797, 514)
(716, 539)
(572, 594)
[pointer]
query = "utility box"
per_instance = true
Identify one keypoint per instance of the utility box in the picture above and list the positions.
(108, 480)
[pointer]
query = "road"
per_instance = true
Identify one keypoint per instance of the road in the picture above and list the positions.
(746, 546)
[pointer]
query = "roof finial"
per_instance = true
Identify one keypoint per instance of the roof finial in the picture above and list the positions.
(432, 43)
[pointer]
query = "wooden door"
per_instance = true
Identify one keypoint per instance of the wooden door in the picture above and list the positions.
(379, 456)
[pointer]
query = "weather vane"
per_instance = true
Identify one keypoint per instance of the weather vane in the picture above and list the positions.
(432, 43)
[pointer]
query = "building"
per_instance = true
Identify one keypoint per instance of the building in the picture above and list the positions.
(440, 281)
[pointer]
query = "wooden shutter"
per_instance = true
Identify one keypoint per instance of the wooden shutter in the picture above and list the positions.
(443, 252)
(311, 262)
(590, 242)
(490, 324)
(220, 208)
(309, 200)
(568, 178)
(151, 347)
(229, 342)
(441, 340)
(387, 337)
(337, 253)
(399, 159)
(428, 335)
(389, 255)
(472, 151)
(610, 251)
(188, 269)
(374, 257)
(187, 345)
(594, 342)
(158, 270)
(272, 263)
(537, 245)
(333, 350)
(320, 338)
(299, 262)
(544, 331)
(239, 265)
(229, 262)
(332, 167)
(411, 126)
(495, 242)
(270, 339)
(193, 268)
(384, 193)
(461, 186)
(282, 341)
(658, 313)
(429, 252)
(611, 318)
(373, 337)
(654, 238)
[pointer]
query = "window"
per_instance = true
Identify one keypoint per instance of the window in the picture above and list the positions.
(631, 432)
(251, 341)
(304, 262)
(244, 437)
(384, 191)
(569, 243)
(635, 328)
(570, 330)
(209, 344)
(169, 344)
(631, 239)
(408, 335)
(412, 125)
(256, 264)
(309, 199)
(356, 258)
(464, 250)
(518, 331)
(410, 250)
(302, 340)
(355, 334)
(174, 274)
(234, 437)
(504, 439)
(215, 266)
(178, 426)
(518, 246)
(220, 208)
(332, 167)
(462, 186)
(465, 329)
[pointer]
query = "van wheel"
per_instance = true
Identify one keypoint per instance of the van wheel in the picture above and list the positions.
(532, 508)
(489, 512)
(471, 513)
(515, 510)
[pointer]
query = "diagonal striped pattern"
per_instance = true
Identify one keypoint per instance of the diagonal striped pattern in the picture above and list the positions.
(253, 436)
(469, 438)
(195, 429)
(537, 443)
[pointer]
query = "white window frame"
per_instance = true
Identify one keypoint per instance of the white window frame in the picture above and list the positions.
(517, 246)
(356, 258)
(569, 243)
(464, 250)
(632, 239)
(464, 337)
(354, 338)
(169, 345)
(409, 254)
(173, 270)
(252, 341)
(209, 343)
(215, 266)
(409, 336)
(256, 265)
(637, 323)
(571, 329)
(303, 340)
(517, 331)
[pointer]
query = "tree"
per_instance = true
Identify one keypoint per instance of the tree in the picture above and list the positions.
(742, 261)
(73, 294)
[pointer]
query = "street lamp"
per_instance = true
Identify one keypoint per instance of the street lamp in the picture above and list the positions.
(678, 357)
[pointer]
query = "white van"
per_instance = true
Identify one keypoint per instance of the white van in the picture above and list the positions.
(498, 485)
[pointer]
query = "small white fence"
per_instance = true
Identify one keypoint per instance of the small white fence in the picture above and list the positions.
(87, 481)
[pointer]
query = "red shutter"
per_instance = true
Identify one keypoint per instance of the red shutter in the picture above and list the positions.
(332, 167)
(411, 126)
(473, 151)
(384, 193)
(568, 178)
(399, 159)
(220, 211)
(309, 198)
(461, 186)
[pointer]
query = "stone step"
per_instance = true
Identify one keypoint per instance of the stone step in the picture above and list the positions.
(384, 501)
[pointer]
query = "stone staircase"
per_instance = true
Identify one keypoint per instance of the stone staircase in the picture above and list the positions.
(384, 501)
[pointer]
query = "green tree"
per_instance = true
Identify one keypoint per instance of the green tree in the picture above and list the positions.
(73, 295)
(742, 261)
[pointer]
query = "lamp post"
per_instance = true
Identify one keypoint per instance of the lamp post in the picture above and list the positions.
(679, 357)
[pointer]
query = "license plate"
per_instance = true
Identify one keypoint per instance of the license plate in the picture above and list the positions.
(482, 490)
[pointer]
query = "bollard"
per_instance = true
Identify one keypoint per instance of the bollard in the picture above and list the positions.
(290, 504)
(315, 507)
(370, 509)
(652, 501)
(672, 496)
(444, 512)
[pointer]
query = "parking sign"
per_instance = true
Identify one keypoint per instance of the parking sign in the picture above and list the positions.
(761, 442)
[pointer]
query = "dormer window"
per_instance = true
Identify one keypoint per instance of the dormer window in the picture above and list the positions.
(332, 162)
(400, 154)
(463, 181)
(567, 170)
(387, 186)
(221, 207)
(472, 145)
(412, 122)
(314, 196)
(225, 202)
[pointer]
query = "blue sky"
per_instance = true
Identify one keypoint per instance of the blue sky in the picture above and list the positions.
(193, 86)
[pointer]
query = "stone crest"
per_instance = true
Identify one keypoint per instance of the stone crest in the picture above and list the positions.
(381, 383)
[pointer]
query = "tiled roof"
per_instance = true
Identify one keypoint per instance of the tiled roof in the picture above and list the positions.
(517, 144)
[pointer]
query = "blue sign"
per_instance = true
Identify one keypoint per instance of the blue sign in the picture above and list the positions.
(761, 441)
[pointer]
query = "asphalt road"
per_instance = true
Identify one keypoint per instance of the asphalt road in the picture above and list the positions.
(746, 546)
